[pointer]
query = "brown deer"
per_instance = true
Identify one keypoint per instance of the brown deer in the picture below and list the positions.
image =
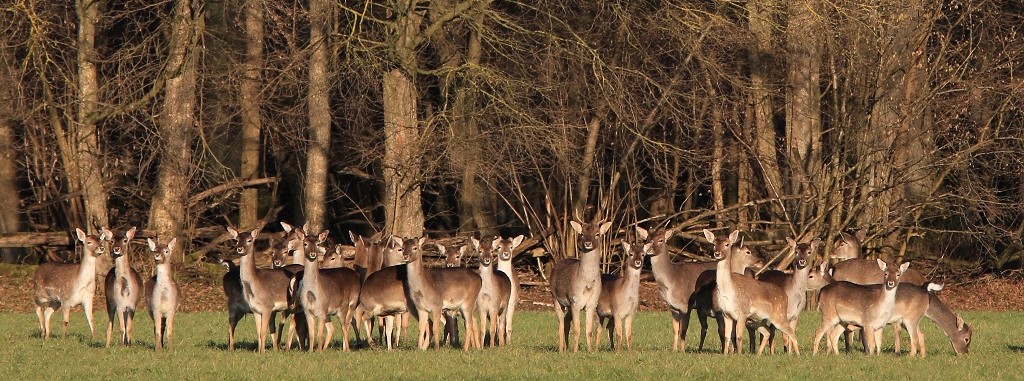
(795, 283)
(162, 294)
(122, 286)
(848, 246)
(576, 284)
(495, 291)
(237, 307)
(743, 299)
(844, 303)
(620, 296)
(453, 258)
(433, 290)
(503, 248)
(293, 264)
(678, 284)
(265, 290)
(65, 285)
(384, 295)
(325, 292)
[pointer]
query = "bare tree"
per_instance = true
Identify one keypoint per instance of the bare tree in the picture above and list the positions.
(251, 100)
(319, 114)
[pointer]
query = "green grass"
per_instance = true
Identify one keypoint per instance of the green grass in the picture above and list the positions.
(201, 338)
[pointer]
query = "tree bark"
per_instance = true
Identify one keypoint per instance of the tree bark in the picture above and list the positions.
(88, 154)
(803, 99)
(168, 212)
(252, 122)
(319, 116)
(403, 205)
(759, 18)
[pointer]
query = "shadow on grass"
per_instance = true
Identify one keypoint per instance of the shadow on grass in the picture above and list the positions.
(1015, 348)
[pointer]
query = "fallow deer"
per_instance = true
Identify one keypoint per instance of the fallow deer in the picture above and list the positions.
(503, 248)
(237, 307)
(325, 292)
(493, 299)
(620, 296)
(795, 283)
(65, 285)
(679, 285)
(847, 246)
(384, 295)
(433, 290)
(265, 290)
(576, 284)
(453, 258)
(122, 286)
(742, 298)
(162, 294)
(844, 303)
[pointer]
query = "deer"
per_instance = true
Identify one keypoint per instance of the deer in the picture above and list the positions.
(333, 259)
(844, 303)
(503, 248)
(293, 264)
(795, 284)
(848, 246)
(495, 293)
(162, 294)
(122, 286)
(620, 296)
(678, 284)
(237, 307)
(265, 290)
(433, 290)
(65, 285)
(742, 298)
(325, 292)
(384, 295)
(453, 258)
(576, 284)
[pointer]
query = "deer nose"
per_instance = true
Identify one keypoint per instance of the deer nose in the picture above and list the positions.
(240, 250)
(588, 245)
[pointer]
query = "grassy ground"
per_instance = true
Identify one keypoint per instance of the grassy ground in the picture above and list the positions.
(201, 339)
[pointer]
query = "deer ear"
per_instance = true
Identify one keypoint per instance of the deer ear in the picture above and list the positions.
(152, 245)
(396, 242)
(734, 236)
(465, 250)
(305, 227)
(352, 236)
(861, 235)
(668, 234)
(791, 241)
(605, 227)
(287, 228)
(293, 244)
(708, 235)
(475, 242)
(647, 248)
(440, 248)
(518, 240)
(625, 247)
(881, 264)
(170, 245)
(641, 233)
(577, 227)
(233, 233)
(130, 233)
(323, 236)
(255, 233)
(904, 267)
(959, 322)
(421, 241)
(106, 234)
(815, 243)
(81, 234)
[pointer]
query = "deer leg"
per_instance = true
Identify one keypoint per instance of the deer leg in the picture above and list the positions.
(920, 339)
(329, 327)
(275, 338)
(703, 320)
(403, 327)
(233, 319)
(314, 336)
(169, 326)
(591, 315)
(158, 330)
(684, 326)
(129, 322)
(869, 336)
(560, 314)
(617, 322)
(260, 331)
(628, 321)
(676, 322)
(110, 330)
(87, 306)
(576, 328)
(387, 327)
(42, 325)
(896, 339)
(66, 314)
(818, 334)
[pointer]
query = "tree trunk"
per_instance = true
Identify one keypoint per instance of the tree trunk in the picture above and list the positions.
(252, 122)
(319, 116)
(89, 157)
(10, 221)
(759, 18)
(403, 205)
(803, 99)
(167, 214)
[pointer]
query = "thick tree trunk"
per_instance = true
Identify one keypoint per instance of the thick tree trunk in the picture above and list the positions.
(759, 18)
(803, 99)
(89, 156)
(403, 204)
(167, 215)
(10, 200)
(319, 116)
(252, 121)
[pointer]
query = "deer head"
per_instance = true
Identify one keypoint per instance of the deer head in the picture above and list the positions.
(589, 234)
(161, 253)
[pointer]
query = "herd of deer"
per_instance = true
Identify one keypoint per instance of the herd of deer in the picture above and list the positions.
(387, 281)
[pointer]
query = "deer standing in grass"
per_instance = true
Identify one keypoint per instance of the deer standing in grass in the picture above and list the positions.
(433, 290)
(576, 284)
(265, 290)
(384, 295)
(743, 299)
(122, 286)
(678, 284)
(844, 303)
(453, 258)
(503, 248)
(162, 294)
(794, 284)
(237, 307)
(325, 292)
(65, 285)
(493, 299)
(620, 296)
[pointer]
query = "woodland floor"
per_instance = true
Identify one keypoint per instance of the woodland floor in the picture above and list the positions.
(203, 287)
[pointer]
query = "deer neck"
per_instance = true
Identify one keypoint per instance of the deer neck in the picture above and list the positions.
(942, 316)
(87, 268)
(416, 275)
(163, 271)
(505, 267)
(311, 275)
(247, 268)
(723, 276)
(799, 285)
(297, 259)
(121, 266)
(661, 266)
(590, 265)
(632, 280)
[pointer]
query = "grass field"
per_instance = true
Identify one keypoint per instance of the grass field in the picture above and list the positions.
(201, 339)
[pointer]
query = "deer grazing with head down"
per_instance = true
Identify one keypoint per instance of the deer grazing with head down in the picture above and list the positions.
(743, 299)
(620, 296)
(65, 285)
(503, 248)
(122, 286)
(433, 290)
(265, 290)
(576, 284)
(325, 292)
(870, 307)
(162, 294)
